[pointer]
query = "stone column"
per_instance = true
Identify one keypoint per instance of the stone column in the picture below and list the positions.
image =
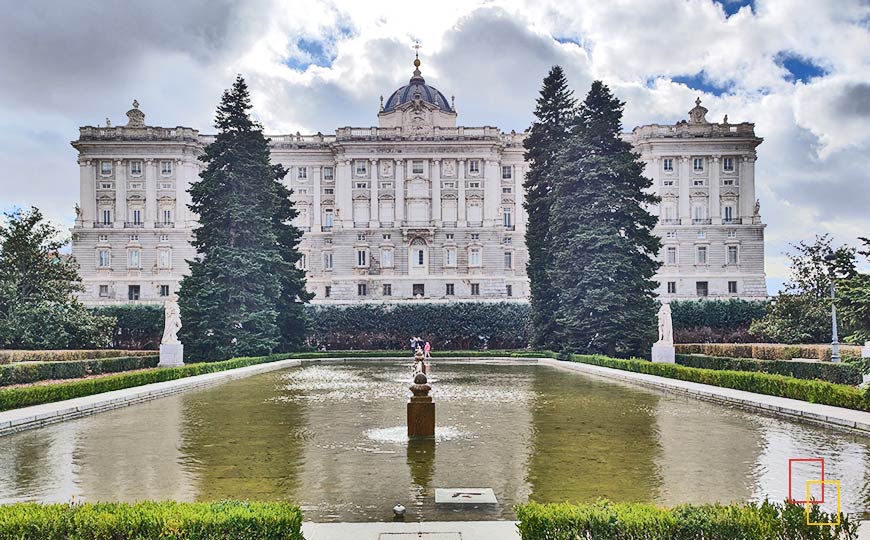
(747, 189)
(460, 204)
(344, 196)
(399, 171)
(715, 209)
(120, 194)
(435, 176)
(150, 192)
(181, 181)
(491, 190)
(374, 220)
(684, 212)
(88, 194)
(316, 218)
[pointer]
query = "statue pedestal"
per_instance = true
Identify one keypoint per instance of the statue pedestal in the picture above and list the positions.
(865, 350)
(421, 417)
(663, 353)
(171, 355)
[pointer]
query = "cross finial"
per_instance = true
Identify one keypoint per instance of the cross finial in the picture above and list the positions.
(698, 101)
(417, 48)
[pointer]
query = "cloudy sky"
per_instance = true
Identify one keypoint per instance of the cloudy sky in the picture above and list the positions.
(799, 69)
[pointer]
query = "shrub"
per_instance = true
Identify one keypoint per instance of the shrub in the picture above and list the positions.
(136, 327)
(636, 521)
(11, 356)
(768, 351)
(147, 520)
(41, 371)
(825, 371)
(732, 314)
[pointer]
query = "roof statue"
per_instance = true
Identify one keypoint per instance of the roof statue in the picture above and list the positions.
(136, 118)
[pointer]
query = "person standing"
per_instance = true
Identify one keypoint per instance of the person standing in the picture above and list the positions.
(426, 348)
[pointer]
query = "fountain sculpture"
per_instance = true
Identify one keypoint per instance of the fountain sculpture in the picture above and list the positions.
(421, 408)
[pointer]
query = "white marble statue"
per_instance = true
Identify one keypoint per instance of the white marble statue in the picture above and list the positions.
(666, 325)
(172, 316)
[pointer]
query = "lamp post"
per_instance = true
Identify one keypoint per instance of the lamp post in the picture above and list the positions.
(835, 344)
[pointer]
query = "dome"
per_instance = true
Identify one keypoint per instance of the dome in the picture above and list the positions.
(417, 87)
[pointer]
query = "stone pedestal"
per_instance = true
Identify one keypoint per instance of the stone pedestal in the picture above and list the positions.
(865, 350)
(171, 355)
(663, 353)
(421, 418)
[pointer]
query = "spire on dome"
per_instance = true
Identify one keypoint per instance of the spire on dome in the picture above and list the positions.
(417, 74)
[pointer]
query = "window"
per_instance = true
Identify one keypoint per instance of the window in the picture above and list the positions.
(671, 234)
(474, 257)
(361, 185)
(450, 257)
(387, 258)
(137, 185)
(167, 216)
(361, 168)
(728, 214)
(702, 235)
(417, 167)
(302, 263)
(418, 289)
(701, 288)
(302, 191)
(327, 260)
(302, 173)
(668, 164)
(136, 168)
(449, 289)
(419, 257)
(698, 182)
(164, 258)
(328, 218)
(449, 236)
(387, 236)
(164, 238)
(134, 238)
(507, 189)
(667, 182)
(329, 191)
(698, 164)
(732, 234)
(507, 217)
(386, 185)
(388, 289)
(474, 166)
(362, 257)
(732, 287)
(133, 256)
(728, 164)
(361, 289)
(507, 240)
(105, 168)
(165, 185)
(107, 217)
(474, 185)
(509, 290)
(728, 182)
(327, 290)
(361, 237)
(699, 214)
(475, 236)
(166, 168)
(105, 185)
(104, 258)
(672, 287)
(732, 254)
(506, 172)
(508, 260)
(449, 185)
(104, 290)
(164, 290)
(475, 289)
(103, 238)
(701, 255)
(328, 173)
(132, 292)
(671, 256)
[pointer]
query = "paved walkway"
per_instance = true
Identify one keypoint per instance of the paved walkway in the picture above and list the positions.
(433, 530)
(793, 409)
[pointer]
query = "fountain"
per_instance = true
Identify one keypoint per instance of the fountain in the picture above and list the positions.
(421, 408)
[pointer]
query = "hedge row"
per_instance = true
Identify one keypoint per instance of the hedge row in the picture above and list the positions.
(636, 521)
(65, 355)
(767, 351)
(136, 326)
(25, 396)
(32, 372)
(823, 371)
(152, 520)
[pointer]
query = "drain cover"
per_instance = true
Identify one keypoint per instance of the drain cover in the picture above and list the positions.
(465, 496)
(421, 536)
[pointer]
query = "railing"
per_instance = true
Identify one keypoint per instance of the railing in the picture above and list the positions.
(165, 225)
(448, 223)
(386, 223)
(475, 224)
(363, 225)
(510, 227)
(133, 225)
(729, 220)
(326, 228)
(102, 225)
(696, 221)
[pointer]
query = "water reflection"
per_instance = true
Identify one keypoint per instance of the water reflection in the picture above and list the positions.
(332, 438)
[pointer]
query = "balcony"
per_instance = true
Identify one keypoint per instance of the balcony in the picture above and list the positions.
(696, 221)
(510, 227)
(102, 225)
(326, 228)
(165, 225)
(362, 225)
(727, 221)
(133, 225)
(386, 224)
(475, 224)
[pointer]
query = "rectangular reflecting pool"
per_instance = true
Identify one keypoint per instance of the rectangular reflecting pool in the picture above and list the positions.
(331, 437)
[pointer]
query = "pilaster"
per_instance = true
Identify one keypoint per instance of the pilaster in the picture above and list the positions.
(435, 176)
(747, 189)
(715, 203)
(87, 188)
(181, 180)
(685, 180)
(460, 204)
(316, 218)
(491, 192)
(374, 219)
(399, 171)
(150, 192)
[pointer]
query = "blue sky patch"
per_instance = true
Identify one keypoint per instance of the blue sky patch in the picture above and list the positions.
(699, 81)
(799, 68)
(315, 53)
(733, 6)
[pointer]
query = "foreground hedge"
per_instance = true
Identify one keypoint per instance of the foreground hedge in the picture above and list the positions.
(65, 355)
(32, 372)
(824, 371)
(633, 521)
(767, 351)
(152, 520)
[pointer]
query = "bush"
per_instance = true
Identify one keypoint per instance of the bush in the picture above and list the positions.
(8, 357)
(768, 351)
(824, 371)
(152, 520)
(458, 325)
(702, 321)
(136, 326)
(635, 521)
(43, 371)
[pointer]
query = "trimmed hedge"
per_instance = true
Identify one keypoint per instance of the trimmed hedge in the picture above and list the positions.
(136, 326)
(823, 371)
(65, 355)
(32, 372)
(638, 521)
(728, 321)
(767, 351)
(152, 520)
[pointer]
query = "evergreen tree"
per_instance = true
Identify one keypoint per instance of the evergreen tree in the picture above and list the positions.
(554, 112)
(601, 236)
(238, 283)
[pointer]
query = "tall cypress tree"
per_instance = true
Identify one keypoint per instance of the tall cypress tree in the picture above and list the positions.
(229, 303)
(554, 112)
(602, 241)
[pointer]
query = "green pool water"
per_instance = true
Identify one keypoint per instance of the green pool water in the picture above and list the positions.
(331, 437)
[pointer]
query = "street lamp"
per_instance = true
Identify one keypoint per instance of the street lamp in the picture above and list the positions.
(835, 344)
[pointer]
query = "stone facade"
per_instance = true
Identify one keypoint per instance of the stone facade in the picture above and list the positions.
(416, 208)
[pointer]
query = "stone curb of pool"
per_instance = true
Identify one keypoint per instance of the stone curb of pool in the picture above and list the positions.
(825, 415)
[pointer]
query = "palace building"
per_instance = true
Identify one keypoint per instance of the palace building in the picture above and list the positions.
(417, 208)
